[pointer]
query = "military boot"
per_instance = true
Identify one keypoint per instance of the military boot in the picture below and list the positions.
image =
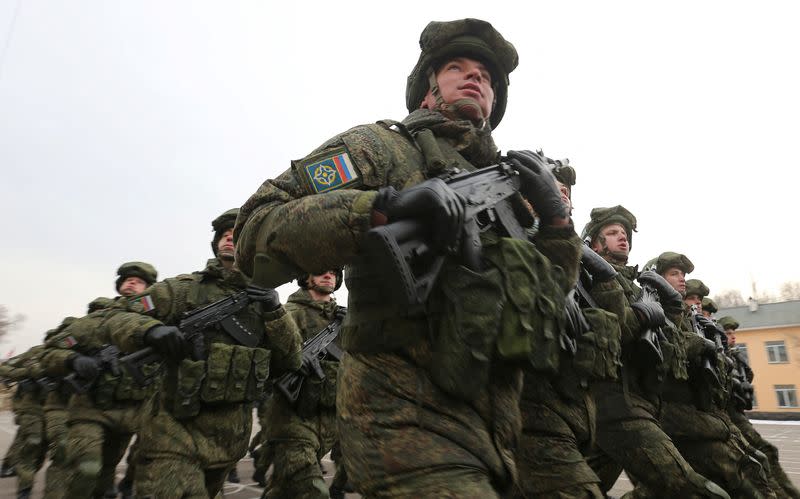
(233, 476)
(7, 470)
(24, 493)
(126, 489)
(335, 492)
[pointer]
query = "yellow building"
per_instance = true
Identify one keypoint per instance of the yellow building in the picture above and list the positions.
(770, 334)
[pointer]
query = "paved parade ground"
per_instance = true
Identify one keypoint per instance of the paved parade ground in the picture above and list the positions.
(784, 434)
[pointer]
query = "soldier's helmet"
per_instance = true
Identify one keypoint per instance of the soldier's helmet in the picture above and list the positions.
(728, 322)
(709, 305)
(667, 260)
(600, 217)
(563, 172)
(142, 270)
(471, 38)
(222, 223)
(302, 280)
(696, 287)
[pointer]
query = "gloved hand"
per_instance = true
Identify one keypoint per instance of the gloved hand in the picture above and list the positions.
(167, 340)
(671, 300)
(650, 314)
(710, 327)
(84, 366)
(267, 297)
(698, 348)
(539, 185)
(598, 268)
(340, 313)
(433, 202)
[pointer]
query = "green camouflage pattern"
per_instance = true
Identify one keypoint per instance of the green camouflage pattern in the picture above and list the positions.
(600, 217)
(728, 322)
(55, 419)
(709, 305)
(142, 270)
(401, 433)
(697, 288)
(300, 441)
(216, 437)
(668, 260)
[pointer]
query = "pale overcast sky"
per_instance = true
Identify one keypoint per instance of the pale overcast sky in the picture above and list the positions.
(127, 126)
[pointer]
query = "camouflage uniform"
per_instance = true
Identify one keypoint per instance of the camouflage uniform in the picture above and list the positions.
(201, 427)
(301, 440)
(629, 435)
(694, 414)
(419, 413)
(29, 443)
(782, 484)
(101, 421)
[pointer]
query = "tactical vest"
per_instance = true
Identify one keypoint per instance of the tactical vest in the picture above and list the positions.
(230, 373)
(511, 311)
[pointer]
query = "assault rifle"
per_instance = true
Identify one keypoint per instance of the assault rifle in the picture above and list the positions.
(107, 359)
(221, 312)
(709, 371)
(650, 339)
(742, 390)
(402, 247)
(317, 348)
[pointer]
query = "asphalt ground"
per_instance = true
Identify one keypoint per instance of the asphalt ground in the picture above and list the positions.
(784, 434)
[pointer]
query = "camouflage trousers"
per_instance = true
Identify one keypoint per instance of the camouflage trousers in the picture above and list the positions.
(31, 449)
(298, 444)
(96, 442)
(556, 433)
(167, 478)
(55, 418)
(782, 484)
(402, 436)
(629, 436)
(714, 447)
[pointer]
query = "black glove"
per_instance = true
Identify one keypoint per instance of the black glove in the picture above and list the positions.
(650, 314)
(596, 266)
(167, 340)
(340, 313)
(710, 327)
(433, 202)
(697, 348)
(85, 367)
(538, 185)
(671, 300)
(267, 297)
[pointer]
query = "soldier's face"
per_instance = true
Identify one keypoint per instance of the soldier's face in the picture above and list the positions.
(677, 279)
(464, 78)
(731, 335)
(694, 300)
(327, 279)
(132, 286)
(614, 238)
(565, 194)
(225, 248)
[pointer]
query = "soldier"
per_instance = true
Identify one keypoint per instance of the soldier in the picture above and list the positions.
(429, 389)
(301, 435)
(741, 400)
(709, 307)
(696, 291)
(29, 447)
(201, 425)
(628, 432)
(694, 414)
(105, 409)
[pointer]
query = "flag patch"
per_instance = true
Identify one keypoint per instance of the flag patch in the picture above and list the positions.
(68, 342)
(146, 302)
(331, 173)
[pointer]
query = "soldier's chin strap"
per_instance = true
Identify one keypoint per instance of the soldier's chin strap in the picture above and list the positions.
(460, 109)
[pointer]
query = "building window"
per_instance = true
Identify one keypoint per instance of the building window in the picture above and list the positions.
(787, 396)
(776, 352)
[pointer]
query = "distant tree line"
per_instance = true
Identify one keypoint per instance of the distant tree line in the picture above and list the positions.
(733, 298)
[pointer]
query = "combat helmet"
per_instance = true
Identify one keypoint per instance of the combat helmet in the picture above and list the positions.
(709, 305)
(302, 280)
(728, 322)
(472, 38)
(562, 171)
(220, 224)
(696, 287)
(600, 217)
(143, 271)
(667, 260)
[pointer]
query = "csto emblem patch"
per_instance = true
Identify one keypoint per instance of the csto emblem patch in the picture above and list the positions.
(332, 172)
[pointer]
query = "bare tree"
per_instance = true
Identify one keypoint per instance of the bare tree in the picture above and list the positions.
(729, 298)
(8, 323)
(790, 291)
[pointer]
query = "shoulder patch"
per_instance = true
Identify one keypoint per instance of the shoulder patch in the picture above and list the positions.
(68, 342)
(144, 301)
(330, 170)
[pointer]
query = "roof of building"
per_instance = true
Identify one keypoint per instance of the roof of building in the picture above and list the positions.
(785, 313)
